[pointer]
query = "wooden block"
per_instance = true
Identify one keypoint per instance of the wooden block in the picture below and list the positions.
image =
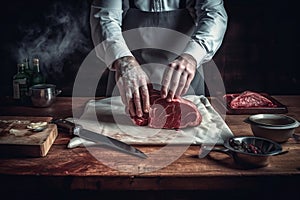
(31, 144)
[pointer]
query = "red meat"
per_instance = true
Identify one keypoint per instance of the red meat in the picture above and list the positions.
(179, 113)
(249, 99)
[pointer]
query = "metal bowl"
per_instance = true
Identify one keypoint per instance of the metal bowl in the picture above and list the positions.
(43, 95)
(276, 127)
(249, 159)
(276, 120)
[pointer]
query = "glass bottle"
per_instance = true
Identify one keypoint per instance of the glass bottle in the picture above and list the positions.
(37, 76)
(28, 70)
(21, 85)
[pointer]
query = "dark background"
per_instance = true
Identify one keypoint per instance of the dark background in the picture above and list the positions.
(259, 52)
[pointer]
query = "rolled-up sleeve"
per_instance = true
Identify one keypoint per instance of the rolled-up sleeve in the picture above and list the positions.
(105, 22)
(211, 24)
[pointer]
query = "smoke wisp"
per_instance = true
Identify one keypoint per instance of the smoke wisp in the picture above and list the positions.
(63, 32)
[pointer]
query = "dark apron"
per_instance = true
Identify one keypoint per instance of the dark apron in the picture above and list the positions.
(152, 59)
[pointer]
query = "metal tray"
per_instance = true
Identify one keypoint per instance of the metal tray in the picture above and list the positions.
(280, 109)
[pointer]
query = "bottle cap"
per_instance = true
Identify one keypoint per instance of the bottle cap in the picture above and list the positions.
(35, 61)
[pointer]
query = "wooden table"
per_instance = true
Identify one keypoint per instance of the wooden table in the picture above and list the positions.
(76, 173)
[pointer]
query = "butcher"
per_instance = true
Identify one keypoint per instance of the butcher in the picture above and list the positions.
(204, 23)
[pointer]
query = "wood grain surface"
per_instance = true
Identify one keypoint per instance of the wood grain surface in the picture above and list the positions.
(78, 169)
(27, 143)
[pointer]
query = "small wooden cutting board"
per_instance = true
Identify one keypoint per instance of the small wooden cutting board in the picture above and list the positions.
(26, 142)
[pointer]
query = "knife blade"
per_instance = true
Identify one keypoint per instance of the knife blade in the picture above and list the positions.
(99, 139)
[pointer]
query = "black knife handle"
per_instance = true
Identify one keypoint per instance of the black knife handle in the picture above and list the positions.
(64, 125)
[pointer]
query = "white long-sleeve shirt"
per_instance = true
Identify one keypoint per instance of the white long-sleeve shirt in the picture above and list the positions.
(209, 15)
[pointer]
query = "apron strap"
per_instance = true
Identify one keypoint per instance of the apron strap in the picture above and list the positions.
(182, 4)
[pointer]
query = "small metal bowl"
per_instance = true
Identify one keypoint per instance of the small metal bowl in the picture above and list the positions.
(247, 159)
(276, 127)
(43, 95)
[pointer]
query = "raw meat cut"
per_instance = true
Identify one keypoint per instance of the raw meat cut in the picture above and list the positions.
(248, 99)
(177, 114)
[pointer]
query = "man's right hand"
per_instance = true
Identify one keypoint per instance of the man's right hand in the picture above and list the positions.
(132, 82)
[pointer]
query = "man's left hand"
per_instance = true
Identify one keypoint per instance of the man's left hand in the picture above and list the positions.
(178, 76)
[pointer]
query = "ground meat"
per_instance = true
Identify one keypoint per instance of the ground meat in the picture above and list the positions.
(248, 99)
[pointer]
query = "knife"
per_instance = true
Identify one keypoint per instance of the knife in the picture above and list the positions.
(78, 130)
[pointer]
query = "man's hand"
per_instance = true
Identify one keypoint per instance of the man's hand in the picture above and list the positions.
(178, 77)
(132, 83)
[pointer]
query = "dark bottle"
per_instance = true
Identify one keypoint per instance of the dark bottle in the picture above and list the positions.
(28, 70)
(21, 85)
(37, 76)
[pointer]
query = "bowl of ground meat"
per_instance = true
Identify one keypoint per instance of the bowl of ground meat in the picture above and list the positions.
(250, 151)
